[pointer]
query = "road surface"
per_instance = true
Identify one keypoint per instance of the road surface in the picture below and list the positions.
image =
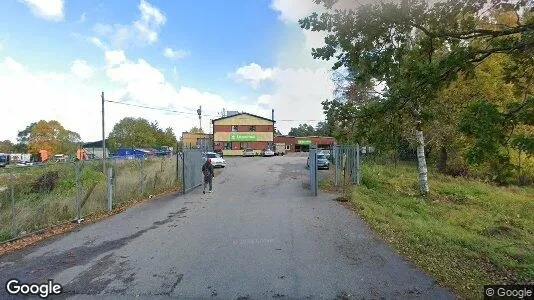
(259, 235)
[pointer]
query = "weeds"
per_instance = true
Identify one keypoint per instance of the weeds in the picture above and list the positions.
(39, 208)
(466, 233)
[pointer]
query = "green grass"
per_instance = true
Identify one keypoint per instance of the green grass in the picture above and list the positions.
(466, 233)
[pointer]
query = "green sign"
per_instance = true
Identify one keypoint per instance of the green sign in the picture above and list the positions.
(304, 142)
(243, 137)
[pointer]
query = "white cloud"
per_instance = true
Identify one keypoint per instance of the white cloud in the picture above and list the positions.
(142, 31)
(75, 102)
(115, 57)
(174, 54)
(97, 42)
(253, 74)
(297, 95)
(81, 69)
(265, 100)
(51, 10)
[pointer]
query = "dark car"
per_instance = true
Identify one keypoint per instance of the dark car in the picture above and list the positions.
(322, 162)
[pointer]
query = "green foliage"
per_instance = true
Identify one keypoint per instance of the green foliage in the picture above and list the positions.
(138, 132)
(302, 130)
(430, 62)
(485, 124)
(6, 146)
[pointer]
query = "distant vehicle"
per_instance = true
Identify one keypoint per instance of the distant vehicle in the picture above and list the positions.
(25, 164)
(268, 152)
(280, 149)
(60, 158)
(216, 159)
(322, 162)
(3, 160)
(326, 153)
(248, 152)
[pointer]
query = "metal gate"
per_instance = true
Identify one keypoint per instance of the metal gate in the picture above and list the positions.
(346, 159)
(191, 169)
(312, 163)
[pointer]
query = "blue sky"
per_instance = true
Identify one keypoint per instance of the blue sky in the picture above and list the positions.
(57, 56)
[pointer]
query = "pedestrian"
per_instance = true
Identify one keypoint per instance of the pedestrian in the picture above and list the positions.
(207, 169)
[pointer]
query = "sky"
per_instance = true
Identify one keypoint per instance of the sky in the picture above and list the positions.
(58, 56)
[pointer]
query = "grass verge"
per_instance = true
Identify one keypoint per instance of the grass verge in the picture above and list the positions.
(465, 234)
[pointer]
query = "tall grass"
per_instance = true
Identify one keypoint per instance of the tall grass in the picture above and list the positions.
(466, 233)
(38, 209)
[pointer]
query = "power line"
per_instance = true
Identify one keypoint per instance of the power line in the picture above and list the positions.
(156, 108)
(195, 113)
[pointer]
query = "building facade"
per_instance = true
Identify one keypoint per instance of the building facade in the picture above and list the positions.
(202, 141)
(234, 133)
(302, 144)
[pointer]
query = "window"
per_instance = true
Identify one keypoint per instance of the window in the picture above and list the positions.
(252, 128)
(227, 145)
(288, 147)
(244, 146)
(234, 128)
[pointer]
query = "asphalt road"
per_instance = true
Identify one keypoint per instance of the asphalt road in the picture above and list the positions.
(259, 235)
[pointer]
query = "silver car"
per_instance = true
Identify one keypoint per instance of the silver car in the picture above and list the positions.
(248, 152)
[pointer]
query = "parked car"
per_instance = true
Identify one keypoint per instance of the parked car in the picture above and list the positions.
(268, 152)
(216, 159)
(322, 162)
(3, 160)
(248, 152)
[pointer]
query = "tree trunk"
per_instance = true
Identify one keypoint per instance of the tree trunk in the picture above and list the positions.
(421, 161)
(442, 160)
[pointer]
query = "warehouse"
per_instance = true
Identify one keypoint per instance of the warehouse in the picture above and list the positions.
(202, 141)
(302, 144)
(236, 132)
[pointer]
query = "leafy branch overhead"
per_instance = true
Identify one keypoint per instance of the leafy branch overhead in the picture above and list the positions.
(400, 60)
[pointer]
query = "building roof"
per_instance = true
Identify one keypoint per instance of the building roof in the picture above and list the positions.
(97, 144)
(243, 113)
(305, 137)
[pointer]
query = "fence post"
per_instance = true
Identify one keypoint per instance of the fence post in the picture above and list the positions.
(77, 167)
(142, 179)
(358, 175)
(12, 192)
(110, 188)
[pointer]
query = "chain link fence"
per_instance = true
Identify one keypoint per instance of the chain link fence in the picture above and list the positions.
(33, 198)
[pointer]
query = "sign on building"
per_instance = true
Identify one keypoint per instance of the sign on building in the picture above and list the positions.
(243, 137)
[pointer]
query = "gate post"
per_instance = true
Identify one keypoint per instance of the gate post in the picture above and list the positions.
(313, 169)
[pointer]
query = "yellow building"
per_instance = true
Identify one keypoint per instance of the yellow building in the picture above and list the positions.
(196, 140)
(232, 134)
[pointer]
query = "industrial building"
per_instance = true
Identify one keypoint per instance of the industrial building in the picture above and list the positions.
(302, 144)
(236, 132)
(202, 141)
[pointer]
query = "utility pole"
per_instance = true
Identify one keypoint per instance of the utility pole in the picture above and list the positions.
(199, 112)
(103, 139)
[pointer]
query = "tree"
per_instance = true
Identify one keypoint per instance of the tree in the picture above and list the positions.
(302, 130)
(6, 146)
(196, 130)
(53, 137)
(416, 49)
(138, 132)
(23, 136)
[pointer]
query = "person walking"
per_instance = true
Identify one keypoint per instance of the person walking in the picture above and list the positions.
(207, 169)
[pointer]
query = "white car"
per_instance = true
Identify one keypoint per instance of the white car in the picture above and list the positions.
(216, 159)
(268, 152)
